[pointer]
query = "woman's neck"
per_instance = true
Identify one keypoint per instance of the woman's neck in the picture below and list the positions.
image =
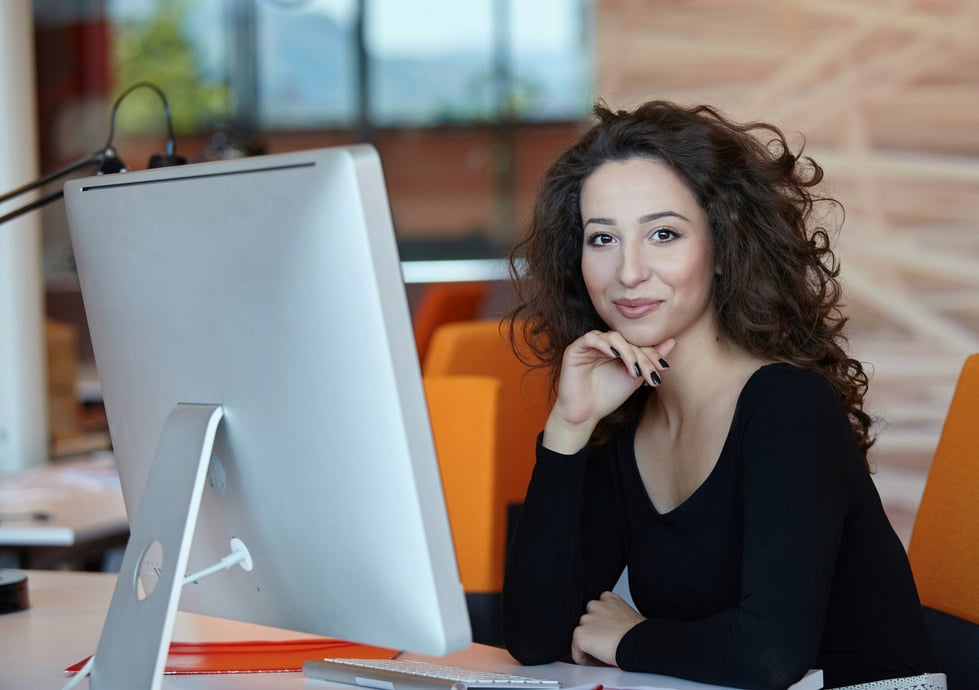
(704, 368)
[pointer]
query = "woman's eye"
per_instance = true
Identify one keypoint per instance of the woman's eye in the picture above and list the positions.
(600, 239)
(663, 235)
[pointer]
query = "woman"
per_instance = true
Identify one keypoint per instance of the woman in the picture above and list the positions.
(708, 428)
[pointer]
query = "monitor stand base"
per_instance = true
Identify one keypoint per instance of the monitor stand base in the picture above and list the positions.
(135, 639)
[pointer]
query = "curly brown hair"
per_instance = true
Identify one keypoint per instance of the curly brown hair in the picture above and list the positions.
(777, 295)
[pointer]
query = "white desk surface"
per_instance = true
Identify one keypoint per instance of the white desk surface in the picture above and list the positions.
(68, 608)
(81, 499)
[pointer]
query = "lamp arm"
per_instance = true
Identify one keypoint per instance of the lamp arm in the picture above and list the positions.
(104, 159)
(51, 177)
(43, 201)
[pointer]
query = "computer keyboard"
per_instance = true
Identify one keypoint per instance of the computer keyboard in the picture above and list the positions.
(395, 674)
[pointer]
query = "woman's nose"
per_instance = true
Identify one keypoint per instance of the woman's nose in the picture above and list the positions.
(633, 268)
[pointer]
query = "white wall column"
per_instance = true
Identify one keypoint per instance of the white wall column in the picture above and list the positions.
(23, 398)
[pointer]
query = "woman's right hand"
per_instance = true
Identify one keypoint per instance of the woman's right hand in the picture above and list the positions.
(599, 371)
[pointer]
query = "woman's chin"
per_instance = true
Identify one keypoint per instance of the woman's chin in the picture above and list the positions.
(642, 337)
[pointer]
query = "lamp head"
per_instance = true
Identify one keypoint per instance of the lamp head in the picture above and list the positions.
(109, 162)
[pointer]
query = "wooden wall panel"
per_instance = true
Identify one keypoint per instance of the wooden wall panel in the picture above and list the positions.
(886, 93)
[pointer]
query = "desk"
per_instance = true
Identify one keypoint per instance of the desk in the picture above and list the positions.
(68, 608)
(82, 508)
(454, 270)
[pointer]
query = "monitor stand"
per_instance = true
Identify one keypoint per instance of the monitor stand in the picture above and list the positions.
(135, 639)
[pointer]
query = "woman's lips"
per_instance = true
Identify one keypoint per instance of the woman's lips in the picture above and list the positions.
(635, 308)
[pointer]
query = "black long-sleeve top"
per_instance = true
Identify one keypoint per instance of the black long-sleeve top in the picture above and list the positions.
(781, 561)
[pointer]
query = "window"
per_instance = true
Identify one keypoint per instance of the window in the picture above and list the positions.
(179, 46)
(314, 64)
(435, 61)
(305, 57)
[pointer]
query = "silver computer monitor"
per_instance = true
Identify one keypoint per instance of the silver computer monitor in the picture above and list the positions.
(253, 341)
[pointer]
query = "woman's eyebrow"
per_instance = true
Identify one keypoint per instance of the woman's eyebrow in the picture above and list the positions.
(647, 218)
(662, 214)
(600, 221)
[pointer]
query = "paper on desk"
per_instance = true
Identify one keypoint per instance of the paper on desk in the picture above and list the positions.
(813, 680)
(97, 473)
(258, 656)
(609, 687)
(685, 685)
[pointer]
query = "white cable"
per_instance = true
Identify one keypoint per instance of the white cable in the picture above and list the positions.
(239, 555)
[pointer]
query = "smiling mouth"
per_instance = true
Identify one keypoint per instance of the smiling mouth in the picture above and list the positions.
(635, 309)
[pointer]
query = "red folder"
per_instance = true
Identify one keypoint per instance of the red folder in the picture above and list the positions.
(258, 656)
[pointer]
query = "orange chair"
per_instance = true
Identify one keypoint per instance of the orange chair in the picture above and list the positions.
(483, 348)
(944, 547)
(443, 303)
(465, 415)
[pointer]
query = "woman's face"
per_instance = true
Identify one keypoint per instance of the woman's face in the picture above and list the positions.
(647, 259)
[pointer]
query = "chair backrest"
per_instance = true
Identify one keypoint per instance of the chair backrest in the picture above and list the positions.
(944, 546)
(444, 303)
(465, 414)
(483, 348)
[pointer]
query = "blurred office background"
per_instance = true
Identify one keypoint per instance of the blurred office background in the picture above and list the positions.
(468, 101)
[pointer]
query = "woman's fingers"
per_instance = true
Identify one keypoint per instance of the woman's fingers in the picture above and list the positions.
(663, 349)
(600, 370)
(578, 655)
(646, 363)
(601, 628)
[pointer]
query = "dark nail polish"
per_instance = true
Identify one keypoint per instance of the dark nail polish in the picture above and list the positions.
(645, 384)
(655, 377)
(615, 352)
(663, 363)
(635, 368)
